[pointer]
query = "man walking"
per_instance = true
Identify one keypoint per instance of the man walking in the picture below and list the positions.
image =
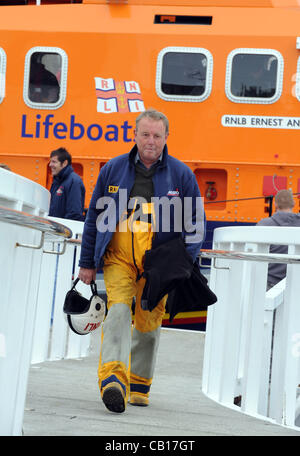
(123, 224)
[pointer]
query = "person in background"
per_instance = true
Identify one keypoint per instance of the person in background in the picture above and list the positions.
(43, 84)
(67, 189)
(283, 216)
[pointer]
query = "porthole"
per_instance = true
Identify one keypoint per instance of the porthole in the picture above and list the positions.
(254, 76)
(296, 78)
(45, 78)
(184, 74)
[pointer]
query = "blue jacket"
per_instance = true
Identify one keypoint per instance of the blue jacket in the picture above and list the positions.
(172, 179)
(67, 195)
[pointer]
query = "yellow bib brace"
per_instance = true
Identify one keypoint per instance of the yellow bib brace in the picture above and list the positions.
(128, 353)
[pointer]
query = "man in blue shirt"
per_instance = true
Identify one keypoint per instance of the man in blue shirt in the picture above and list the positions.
(67, 190)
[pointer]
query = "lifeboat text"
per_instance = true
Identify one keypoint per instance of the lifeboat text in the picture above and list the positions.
(46, 127)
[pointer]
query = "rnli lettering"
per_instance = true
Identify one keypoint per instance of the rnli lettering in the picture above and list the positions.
(261, 122)
(235, 120)
(46, 127)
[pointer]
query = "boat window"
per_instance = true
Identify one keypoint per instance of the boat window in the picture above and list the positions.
(45, 78)
(2, 74)
(184, 74)
(254, 76)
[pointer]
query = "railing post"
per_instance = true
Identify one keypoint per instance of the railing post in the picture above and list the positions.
(64, 342)
(19, 279)
(228, 371)
(40, 347)
(213, 350)
(291, 328)
(254, 338)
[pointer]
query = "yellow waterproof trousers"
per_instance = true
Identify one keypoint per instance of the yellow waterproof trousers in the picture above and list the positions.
(128, 353)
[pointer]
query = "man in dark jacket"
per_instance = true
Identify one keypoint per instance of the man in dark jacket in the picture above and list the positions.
(142, 200)
(67, 190)
(283, 216)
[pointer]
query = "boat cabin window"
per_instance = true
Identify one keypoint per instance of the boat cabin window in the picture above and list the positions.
(45, 78)
(184, 74)
(254, 76)
(2, 74)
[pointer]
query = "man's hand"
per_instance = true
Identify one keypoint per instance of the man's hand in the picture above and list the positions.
(87, 275)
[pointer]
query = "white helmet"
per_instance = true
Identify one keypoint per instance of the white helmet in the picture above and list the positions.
(84, 315)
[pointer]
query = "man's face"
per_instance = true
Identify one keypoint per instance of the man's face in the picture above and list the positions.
(56, 166)
(150, 138)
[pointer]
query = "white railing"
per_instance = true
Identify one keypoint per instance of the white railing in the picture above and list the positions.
(33, 285)
(240, 341)
(53, 338)
(239, 332)
(19, 278)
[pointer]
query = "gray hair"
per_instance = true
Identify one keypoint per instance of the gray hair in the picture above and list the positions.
(284, 199)
(154, 115)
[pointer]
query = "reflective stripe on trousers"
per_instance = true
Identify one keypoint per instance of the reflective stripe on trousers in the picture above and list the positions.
(128, 355)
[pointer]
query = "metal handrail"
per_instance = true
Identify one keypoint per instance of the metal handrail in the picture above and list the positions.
(250, 256)
(15, 217)
(233, 255)
(247, 256)
(47, 226)
(35, 222)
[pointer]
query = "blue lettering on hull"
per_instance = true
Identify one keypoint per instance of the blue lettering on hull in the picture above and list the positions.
(47, 127)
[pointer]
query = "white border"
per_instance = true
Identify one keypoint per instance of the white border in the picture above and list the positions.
(2, 74)
(254, 100)
(63, 79)
(187, 98)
